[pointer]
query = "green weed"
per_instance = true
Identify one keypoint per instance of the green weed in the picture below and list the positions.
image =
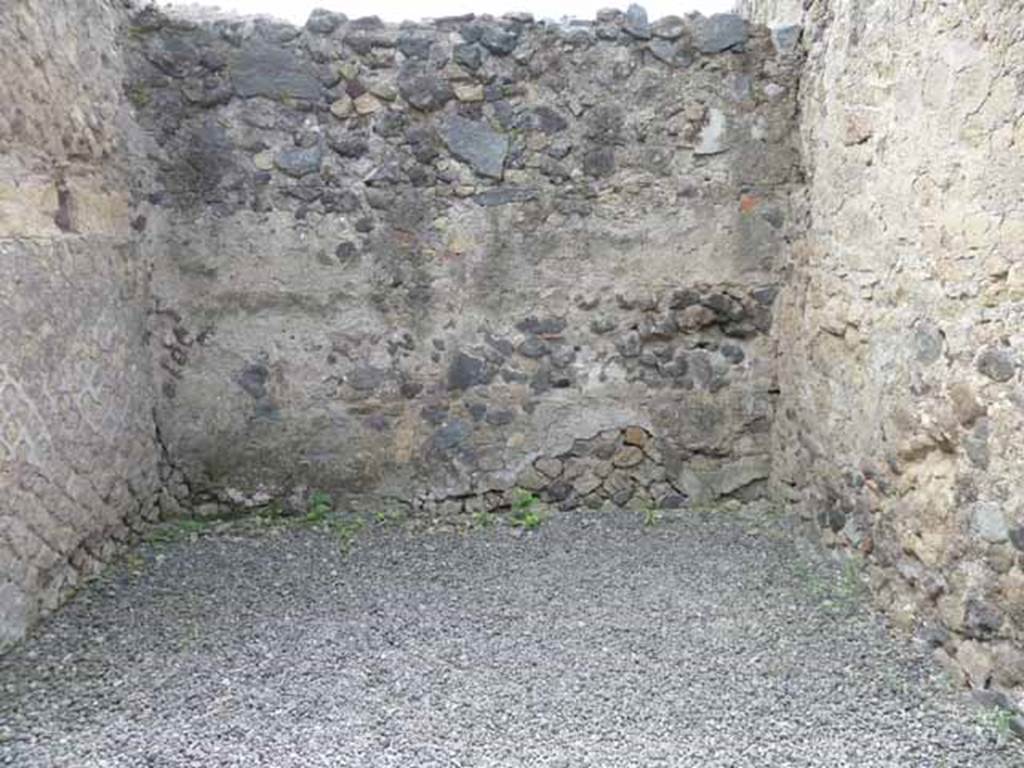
(526, 510)
(319, 507)
(347, 531)
(522, 499)
(483, 519)
(177, 530)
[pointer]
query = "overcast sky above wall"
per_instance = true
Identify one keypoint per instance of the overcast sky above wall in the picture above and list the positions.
(297, 11)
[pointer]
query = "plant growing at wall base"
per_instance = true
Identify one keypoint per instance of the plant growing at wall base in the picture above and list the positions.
(525, 510)
(652, 516)
(319, 507)
(178, 530)
(483, 519)
(346, 531)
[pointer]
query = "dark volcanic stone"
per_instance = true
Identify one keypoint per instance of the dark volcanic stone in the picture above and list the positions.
(253, 380)
(323, 22)
(981, 618)
(600, 162)
(466, 371)
(174, 55)
(274, 73)
(366, 378)
(669, 27)
(299, 162)
(500, 418)
(720, 32)
(424, 90)
(415, 46)
(928, 342)
(505, 196)
(542, 326)
(629, 344)
(733, 353)
(997, 363)
(451, 435)
(672, 501)
(533, 347)
(543, 119)
(346, 251)
(1017, 537)
(636, 23)
(434, 414)
(559, 490)
(477, 144)
(340, 201)
(469, 55)
(351, 145)
(786, 39)
(497, 39)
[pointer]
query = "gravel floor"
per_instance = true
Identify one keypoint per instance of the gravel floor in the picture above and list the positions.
(592, 641)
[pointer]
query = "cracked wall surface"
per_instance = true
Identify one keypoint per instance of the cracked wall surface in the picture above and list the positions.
(78, 465)
(899, 328)
(405, 261)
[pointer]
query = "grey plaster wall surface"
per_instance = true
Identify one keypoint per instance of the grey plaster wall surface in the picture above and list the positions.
(408, 262)
(900, 417)
(78, 456)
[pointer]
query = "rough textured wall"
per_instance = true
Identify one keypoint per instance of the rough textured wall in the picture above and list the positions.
(774, 13)
(437, 262)
(77, 450)
(900, 327)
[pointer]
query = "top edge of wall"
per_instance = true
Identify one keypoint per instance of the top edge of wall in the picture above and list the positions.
(633, 22)
(773, 13)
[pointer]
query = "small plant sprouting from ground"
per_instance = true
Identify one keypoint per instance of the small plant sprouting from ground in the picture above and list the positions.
(177, 530)
(530, 519)
(394, 514)
(652, 516)
(347, 530)
(483, 519)
(319, 507)
(526, 510)
(523, 499)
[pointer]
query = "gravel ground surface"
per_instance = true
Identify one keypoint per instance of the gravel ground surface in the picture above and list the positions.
(591, 641)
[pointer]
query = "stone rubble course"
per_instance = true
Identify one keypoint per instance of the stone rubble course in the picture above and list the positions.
(591, 641)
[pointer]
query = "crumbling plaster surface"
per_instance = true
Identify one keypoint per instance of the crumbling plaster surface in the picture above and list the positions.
(899, 329)
(78, 458)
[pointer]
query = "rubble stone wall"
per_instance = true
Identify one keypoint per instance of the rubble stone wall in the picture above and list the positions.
(417, 262)
(899, 329)
(78, 454)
